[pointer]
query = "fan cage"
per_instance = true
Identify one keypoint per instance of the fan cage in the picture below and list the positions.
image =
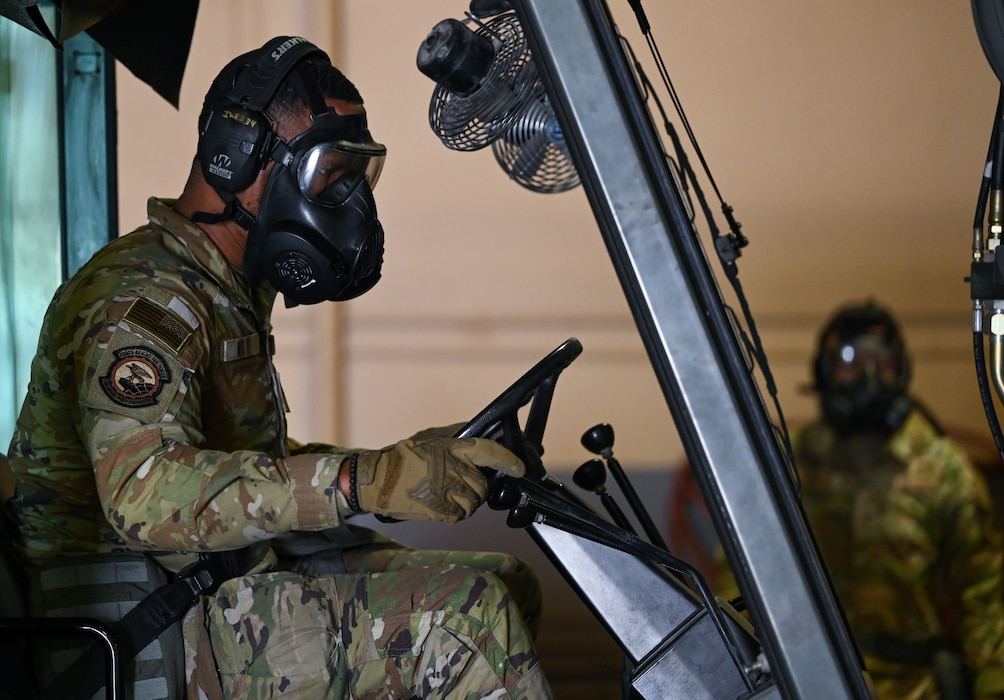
(471, 122)
(533, 151)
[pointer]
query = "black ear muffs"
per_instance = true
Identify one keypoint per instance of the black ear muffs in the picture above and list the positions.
(234, 147)
(235, 136)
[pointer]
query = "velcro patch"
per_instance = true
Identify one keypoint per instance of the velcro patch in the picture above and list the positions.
(160, 323)
(235, 349)
(135, 377)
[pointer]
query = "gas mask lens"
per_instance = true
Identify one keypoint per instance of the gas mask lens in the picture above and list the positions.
(328, 171)
(866, 355)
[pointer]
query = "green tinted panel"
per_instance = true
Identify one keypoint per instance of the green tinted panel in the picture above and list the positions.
(30, 238)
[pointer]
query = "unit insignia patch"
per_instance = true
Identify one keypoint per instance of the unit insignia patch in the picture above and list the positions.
(136, 377)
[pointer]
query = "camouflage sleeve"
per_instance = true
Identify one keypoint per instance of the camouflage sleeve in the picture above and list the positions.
(293, 447)
(971, 547)
(159, 488)
(161, 491)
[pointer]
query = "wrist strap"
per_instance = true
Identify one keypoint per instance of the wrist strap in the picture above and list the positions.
(353, 484)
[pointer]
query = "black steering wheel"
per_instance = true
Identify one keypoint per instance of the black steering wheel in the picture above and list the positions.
(499, 420)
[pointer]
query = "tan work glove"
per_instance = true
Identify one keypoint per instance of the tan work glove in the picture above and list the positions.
(436, 479)
(446, 431)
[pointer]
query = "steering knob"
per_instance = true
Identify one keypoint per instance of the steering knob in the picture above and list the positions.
(520, 517)
(599, 439)
(504, 494)
(591, 476)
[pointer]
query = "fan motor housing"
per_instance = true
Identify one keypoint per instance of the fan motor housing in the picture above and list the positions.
(455, 57)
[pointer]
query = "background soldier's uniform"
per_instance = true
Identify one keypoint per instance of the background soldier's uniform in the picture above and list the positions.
(906, 534)
(154, 420)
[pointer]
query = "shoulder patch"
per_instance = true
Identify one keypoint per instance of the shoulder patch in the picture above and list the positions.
(164, 325)
(131, 376)
(135, 377)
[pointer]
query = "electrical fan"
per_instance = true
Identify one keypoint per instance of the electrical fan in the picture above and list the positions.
(488, 91)
(484, 79)
(533, 151)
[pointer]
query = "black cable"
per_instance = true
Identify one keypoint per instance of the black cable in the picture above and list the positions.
(727, 252)
(985, 396)
(997, 172)
(993, 176)
(981, 200)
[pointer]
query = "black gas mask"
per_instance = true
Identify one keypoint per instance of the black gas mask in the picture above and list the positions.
(317, 237)
(865, 404)
(862, 373)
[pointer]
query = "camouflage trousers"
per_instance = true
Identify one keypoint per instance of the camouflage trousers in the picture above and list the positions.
(400, 624)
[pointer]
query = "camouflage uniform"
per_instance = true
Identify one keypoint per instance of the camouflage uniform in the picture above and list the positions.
(905, 530)
(155, 421)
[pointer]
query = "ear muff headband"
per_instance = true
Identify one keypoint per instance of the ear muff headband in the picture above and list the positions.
(236, 137)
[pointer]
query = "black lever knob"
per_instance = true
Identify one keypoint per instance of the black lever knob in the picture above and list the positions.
(599, 438)
(591, 476)
(504, 494)
(520, 517)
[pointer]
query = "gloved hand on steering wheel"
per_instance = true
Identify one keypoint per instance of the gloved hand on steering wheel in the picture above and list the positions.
(431, 479)
(438, 432)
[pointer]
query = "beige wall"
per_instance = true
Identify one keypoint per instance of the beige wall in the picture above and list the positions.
(849, 137)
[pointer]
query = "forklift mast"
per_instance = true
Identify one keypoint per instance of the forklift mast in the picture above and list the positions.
(717, 408)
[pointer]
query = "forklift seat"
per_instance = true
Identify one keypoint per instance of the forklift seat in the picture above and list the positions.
(18, 628)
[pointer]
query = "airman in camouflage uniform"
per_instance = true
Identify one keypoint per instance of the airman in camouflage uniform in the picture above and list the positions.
(902, 519)
(905, 528)
(155, 422)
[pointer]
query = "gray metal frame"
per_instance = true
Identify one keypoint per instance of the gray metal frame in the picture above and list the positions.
(675, 650)
(717, 408)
